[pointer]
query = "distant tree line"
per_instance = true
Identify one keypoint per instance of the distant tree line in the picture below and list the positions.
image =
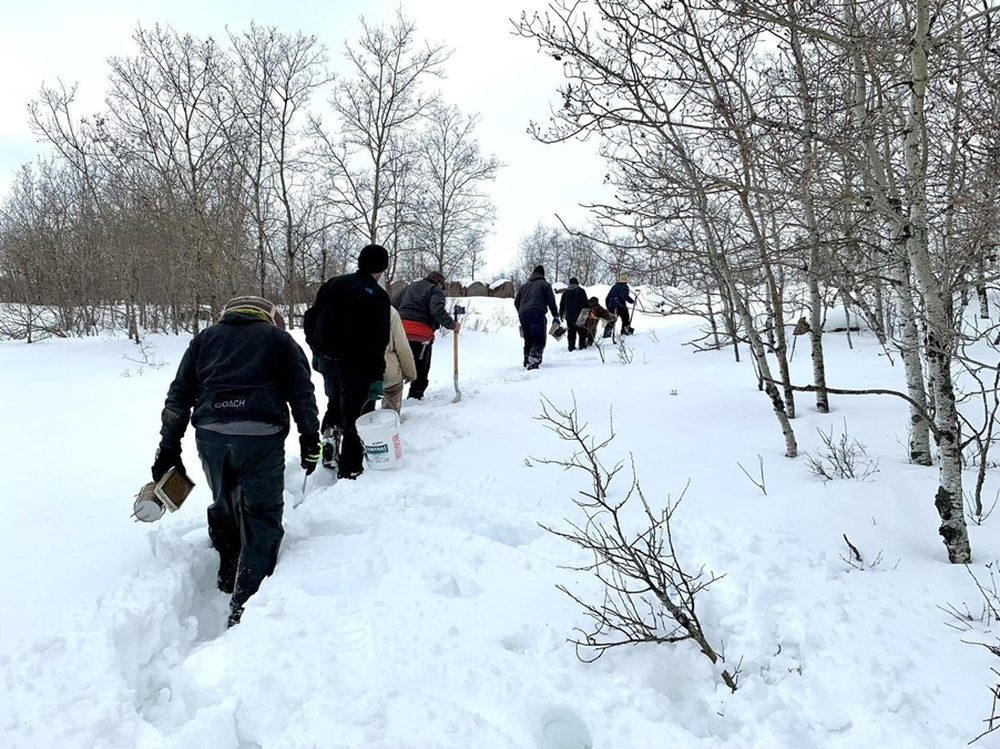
(218, 168)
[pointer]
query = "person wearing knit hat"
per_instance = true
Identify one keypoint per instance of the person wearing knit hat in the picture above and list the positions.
(618, 299)
(347, 328)
(373, 259)
(235, 384)
(572, 301)
(422, 307)
(532, 300)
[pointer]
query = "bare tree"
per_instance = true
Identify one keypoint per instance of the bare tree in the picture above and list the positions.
(454, 212)
(376, 104)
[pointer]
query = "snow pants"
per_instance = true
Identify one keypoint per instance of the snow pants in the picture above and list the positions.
(247, 477)
(347, 398)
(533, 329)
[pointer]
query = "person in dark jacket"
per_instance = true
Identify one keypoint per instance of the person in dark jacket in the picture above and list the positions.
(421, 305)
(531, 302)
(618, 299)
(239, 377)
(572, 300)
(347, 328)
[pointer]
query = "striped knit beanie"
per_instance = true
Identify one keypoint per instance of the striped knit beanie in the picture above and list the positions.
(256, 306)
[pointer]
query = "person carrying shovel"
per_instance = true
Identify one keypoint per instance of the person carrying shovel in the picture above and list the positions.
(421, 306)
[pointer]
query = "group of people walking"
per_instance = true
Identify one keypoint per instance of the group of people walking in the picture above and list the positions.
(239, 378)
(582, 314)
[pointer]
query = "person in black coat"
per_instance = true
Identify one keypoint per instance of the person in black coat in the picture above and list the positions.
(618, 299)
(572, 301)
(531, 302)
(347, 329)
(235, 384)
(422, 308)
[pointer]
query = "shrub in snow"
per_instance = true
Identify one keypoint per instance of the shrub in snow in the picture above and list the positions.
(841, 458)
(649, 596)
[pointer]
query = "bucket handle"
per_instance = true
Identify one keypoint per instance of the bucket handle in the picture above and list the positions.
(381, 401)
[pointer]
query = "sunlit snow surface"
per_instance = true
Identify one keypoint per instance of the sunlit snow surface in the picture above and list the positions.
(417, 607)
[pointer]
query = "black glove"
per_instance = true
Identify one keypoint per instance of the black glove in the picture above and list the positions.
(310, 451)
(167, 457)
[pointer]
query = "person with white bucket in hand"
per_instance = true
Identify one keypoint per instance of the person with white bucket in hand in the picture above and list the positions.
(421, 306)
(347, 329)
(235, 384)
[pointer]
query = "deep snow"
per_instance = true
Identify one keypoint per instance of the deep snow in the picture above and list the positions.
(417, 607)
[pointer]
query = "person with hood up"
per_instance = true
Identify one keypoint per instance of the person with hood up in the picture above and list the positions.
(571, 302)
(421, 306)
(348, 330)
(531, 302)
(618, 299)
(235, 384)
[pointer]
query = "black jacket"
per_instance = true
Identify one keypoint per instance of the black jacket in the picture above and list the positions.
(349, 321)
(241, 370)
(424, 301)
(574, 299)
(535, 296)
(619, 296)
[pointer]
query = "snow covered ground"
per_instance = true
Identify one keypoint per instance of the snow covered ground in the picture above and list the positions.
(417, 607)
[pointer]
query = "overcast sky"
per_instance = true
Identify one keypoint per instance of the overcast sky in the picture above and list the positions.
(491, 72)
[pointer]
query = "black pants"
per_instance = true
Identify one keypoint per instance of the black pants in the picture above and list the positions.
(623, 315)
(422, 358)
(347, 398)
(572, 329)
(533, 329)
(247, 478)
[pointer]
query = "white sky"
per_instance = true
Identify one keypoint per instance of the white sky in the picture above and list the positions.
(491, 72)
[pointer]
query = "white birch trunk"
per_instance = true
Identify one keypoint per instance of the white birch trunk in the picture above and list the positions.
(919, 432)
(809, 214)
(948, 501)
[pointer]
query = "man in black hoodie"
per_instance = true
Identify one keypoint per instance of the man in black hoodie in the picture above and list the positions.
(240, 376)
(348, 330)
(531, 302)
(573, 300)
(422, 308)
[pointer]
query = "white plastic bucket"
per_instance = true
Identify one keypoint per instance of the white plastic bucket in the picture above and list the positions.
(379, 433)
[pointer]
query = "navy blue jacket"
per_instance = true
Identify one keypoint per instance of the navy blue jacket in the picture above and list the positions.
(619, 296)
(241, 370)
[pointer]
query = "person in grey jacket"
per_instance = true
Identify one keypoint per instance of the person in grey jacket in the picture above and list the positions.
(421, 306)
(531, 302)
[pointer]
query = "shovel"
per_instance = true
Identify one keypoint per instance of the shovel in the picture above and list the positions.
(458, 310)
(458, 393)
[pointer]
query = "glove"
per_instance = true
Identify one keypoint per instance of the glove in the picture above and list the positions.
(557, 320)
(375, 390)
(310, 451)
(167, 457)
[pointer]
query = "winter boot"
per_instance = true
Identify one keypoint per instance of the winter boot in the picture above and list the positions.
(331, 447)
